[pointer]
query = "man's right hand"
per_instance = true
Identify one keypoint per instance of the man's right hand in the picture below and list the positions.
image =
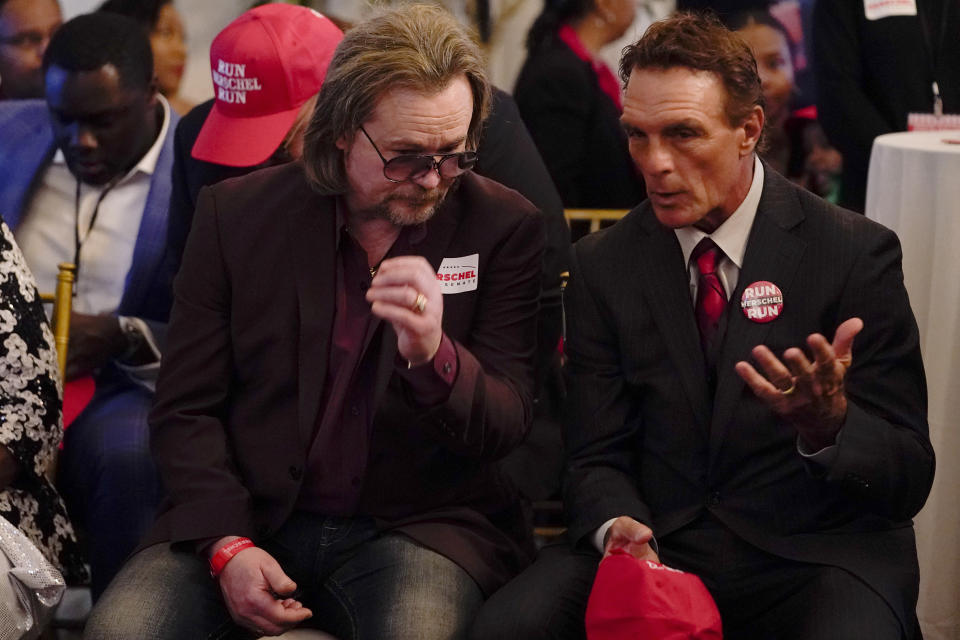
(631, 536)
(250, 583)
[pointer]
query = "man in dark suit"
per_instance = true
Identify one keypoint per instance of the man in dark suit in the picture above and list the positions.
(712, 425)
(351, 348)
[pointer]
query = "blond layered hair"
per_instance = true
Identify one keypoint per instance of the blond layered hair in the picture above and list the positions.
(416, 47)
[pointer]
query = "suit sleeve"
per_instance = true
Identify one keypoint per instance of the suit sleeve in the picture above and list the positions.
(848, 116)
(187, 430)
(885, 458)
(490, 406)
(508, 155)
(601, 422)
(558, 99)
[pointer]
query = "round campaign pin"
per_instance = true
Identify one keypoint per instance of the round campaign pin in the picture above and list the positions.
(762, 301)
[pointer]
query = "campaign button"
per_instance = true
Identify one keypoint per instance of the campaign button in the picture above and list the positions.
(762, 301)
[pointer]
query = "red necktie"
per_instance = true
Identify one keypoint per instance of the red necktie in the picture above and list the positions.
(711, 299)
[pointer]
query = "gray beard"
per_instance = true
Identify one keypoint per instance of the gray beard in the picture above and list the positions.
(383, 210)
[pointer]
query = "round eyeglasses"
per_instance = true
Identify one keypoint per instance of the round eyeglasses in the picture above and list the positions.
(412, 166)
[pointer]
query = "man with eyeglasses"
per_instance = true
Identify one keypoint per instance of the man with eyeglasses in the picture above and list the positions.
(350, 350)
(25, 30)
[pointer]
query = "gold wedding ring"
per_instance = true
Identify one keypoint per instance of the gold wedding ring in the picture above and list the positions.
(419, 304)
(789, 390)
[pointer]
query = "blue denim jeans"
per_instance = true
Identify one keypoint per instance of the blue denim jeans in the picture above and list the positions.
(359, 583)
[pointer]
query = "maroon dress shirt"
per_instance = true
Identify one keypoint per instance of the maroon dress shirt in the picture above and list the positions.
(338, 456)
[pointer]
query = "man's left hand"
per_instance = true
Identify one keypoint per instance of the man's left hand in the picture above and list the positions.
(810, 396)
(94, 341)
(399, 285)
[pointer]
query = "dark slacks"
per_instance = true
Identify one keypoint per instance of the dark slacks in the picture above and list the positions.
(359, 584)
(107, 476)
(760, 596)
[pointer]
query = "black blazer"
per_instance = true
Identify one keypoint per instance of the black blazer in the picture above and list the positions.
(576, 127)
(646, 439)
(243, 378)
(872, 73)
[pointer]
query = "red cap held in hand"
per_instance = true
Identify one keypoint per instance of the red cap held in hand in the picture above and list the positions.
(634, 598)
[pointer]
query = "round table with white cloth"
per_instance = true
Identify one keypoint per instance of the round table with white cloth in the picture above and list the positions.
(914, 189)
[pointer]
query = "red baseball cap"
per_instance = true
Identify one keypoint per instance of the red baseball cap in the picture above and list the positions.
(633, 598)
(265, 65)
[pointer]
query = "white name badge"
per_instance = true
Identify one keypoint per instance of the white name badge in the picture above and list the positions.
(877, 9)
(457, 275)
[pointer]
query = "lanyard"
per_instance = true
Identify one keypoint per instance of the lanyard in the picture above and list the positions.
(77, 243)
(934, 48)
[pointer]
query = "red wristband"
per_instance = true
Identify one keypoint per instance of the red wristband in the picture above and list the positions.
(223, 555)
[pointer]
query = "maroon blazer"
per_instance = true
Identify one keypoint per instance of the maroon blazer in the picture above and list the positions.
(244, 373)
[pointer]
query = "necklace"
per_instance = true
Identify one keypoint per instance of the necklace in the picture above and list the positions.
(373, 271)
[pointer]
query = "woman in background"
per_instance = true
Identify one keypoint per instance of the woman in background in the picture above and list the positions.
(30, 422)
(795, 145)
(167, 39)
(570, 102)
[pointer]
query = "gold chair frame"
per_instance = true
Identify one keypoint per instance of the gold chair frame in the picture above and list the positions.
(62, 299)
(596, 217)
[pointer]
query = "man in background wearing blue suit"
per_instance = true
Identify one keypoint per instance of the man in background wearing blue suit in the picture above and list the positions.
(85, 178)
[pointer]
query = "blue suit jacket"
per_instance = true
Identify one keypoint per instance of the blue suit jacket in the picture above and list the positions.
(26, 149)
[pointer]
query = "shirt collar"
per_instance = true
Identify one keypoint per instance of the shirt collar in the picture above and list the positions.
(732, 235)
(148, 163)
(412, 235)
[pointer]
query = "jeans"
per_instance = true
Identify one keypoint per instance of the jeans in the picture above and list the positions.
(358, 582)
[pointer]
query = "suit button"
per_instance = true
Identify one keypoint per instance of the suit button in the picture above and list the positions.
(355, 410)
(295, 472)
(713, 500)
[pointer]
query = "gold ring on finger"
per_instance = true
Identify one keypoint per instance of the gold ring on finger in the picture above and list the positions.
(789, 389)
(420, 304)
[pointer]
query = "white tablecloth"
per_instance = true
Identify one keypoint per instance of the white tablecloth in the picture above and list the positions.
(914, 188)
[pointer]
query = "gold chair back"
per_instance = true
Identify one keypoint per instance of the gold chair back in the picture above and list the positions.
(595, 217)
(62, 300)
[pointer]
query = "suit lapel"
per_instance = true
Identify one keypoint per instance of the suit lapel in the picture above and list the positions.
(658, 261)
(151, 243)
(311, 232)
(773, 254)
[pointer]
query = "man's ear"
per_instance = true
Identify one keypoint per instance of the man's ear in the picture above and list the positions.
(153, 90)
(752, 129)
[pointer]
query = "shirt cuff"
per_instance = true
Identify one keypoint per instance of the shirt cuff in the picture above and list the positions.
(824, 457)
(143, 374)
(601, 533)
(430, 383)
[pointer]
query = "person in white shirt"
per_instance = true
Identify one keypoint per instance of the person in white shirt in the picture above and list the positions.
(85, 178)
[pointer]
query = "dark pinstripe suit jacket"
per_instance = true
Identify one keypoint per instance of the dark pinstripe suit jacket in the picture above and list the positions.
(646, 438)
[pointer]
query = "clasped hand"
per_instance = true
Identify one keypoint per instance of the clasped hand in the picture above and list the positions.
(94, 341)
(809, 396)
(393, 295)
(631, 536)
